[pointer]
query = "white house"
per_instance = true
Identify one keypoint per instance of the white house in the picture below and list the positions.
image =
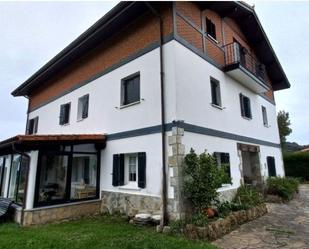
(111, 117)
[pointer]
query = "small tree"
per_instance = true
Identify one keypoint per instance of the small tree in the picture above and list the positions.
(202, 178)
(284, 123)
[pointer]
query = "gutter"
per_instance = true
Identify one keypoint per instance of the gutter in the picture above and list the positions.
(164, 220)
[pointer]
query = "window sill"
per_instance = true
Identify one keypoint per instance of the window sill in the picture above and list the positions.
(217, 106)
(131, 104)
(246, 118)
(80, 119)
(130, 187)
(65, 124)
(213, 39)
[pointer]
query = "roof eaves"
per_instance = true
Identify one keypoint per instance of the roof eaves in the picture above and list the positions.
(72, 46)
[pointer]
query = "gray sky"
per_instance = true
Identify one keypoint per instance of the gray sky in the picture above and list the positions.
(34, 32)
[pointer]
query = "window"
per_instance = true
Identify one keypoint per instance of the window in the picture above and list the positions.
(223, 161)
(2, 175)
(64, 114)
(82, 109)
(211, 28)
(33, 126)
(215, 92)
(84, 176)
(264, 114)
(271, 166)
(13, 176)
(67, 175)
(129, 170)
(52, 177)
(130, 89)
(132, 167)
(245, 106)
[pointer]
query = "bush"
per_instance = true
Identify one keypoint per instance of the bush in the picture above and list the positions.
(248, 197)
(283, 187)
(202, 178)
(199, 219)
(297, 165)
(177, 226)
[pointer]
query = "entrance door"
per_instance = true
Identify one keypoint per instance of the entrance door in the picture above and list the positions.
(251, 167)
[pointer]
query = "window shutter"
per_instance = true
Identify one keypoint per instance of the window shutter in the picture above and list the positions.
(142, 170)
(61, 117)
(85, 106)
(121, 169)
(36, 123)
(249, 108)
(115, 170)
(242, 109)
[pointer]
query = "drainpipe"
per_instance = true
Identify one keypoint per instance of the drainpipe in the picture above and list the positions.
(26, 182)
(164, 178)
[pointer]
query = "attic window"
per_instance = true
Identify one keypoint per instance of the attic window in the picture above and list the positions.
(211, 28)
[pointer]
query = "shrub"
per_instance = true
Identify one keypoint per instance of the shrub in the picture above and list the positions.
(177, 226)
(199, 219)
(283, 187)
(247, 197)
(297, 165)
(202, 178)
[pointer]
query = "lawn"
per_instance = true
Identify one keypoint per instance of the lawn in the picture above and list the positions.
(97, 232)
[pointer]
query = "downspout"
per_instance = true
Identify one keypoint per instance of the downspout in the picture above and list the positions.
(26, 182)
(164, 178)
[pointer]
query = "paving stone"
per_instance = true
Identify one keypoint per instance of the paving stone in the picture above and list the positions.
(285, 226)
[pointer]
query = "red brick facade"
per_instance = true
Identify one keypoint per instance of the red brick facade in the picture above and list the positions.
(226, 31)
(138, 35)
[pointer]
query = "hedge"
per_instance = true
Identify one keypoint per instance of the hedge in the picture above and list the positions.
(297, 165)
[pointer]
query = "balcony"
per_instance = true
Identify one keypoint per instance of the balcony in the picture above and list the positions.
(245, 68)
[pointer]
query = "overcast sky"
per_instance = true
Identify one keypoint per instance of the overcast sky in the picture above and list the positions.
(34, 32)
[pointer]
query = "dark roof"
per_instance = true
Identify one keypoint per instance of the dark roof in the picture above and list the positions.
(34, 142)
(124, 12)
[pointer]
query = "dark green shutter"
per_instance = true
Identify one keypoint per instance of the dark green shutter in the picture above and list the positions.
(249, 108)
(118, 170)
(115, 170)
(121, 169)
(142, 170)
(242, 110)
(85, 106)
(62, 112)
(271, 166)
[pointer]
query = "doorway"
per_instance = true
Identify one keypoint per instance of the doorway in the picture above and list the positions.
(251, 167)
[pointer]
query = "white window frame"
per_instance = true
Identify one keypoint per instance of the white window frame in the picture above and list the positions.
(218, 93)
(80, 107)
(264, 116)
(128, 183)
(35, 125)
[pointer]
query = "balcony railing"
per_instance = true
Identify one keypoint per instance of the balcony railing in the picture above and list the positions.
(237, 56)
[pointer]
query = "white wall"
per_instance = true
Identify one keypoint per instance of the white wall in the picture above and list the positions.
(151, 144)
(200, 143)
(105, 114)
(194, 99)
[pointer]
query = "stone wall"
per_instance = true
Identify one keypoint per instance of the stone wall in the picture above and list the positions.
(176, 206)
(220, 227)
(58, 213)
(130, 204)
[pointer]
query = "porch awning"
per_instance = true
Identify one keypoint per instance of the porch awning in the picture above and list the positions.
(34, 142)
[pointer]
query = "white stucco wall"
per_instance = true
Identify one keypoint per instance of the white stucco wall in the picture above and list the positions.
(151, 144)
(194, 99)
(200, 143)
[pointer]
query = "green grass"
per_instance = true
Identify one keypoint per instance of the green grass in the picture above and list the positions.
(97, 232)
